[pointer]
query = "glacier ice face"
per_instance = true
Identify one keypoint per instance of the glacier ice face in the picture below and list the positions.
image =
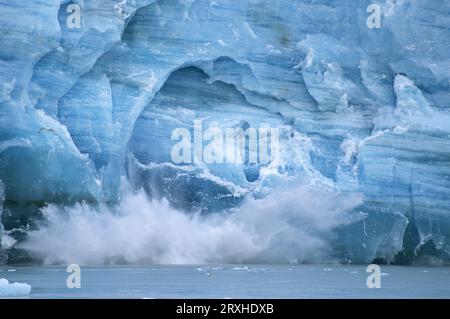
(363, 111)
(13, 290)
(2, 255)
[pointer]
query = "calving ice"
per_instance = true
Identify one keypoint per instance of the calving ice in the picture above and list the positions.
(227, 308)
(232, 145)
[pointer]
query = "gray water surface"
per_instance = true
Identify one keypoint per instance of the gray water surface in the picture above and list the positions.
(233, 281)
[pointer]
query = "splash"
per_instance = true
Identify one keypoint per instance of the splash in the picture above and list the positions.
(14, 289)
(290, 225)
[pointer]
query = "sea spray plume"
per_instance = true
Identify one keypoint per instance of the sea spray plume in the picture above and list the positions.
(289, 225)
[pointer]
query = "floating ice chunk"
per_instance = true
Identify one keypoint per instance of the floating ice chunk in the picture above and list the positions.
(13, 290)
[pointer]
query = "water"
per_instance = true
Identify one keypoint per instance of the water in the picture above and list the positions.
(233, 281)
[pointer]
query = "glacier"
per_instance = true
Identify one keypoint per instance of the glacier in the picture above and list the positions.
(86, 116)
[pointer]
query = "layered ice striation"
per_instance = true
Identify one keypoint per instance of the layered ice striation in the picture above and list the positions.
(361, 110)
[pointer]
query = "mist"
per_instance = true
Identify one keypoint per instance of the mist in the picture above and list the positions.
(292, 225)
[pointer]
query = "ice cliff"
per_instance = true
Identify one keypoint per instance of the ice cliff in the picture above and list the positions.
(13, 290)
(363, 110)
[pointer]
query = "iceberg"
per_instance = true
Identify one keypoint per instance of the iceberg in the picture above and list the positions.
(91, 91)
(13, 290)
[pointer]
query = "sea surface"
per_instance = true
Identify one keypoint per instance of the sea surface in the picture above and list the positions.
(232, 281)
